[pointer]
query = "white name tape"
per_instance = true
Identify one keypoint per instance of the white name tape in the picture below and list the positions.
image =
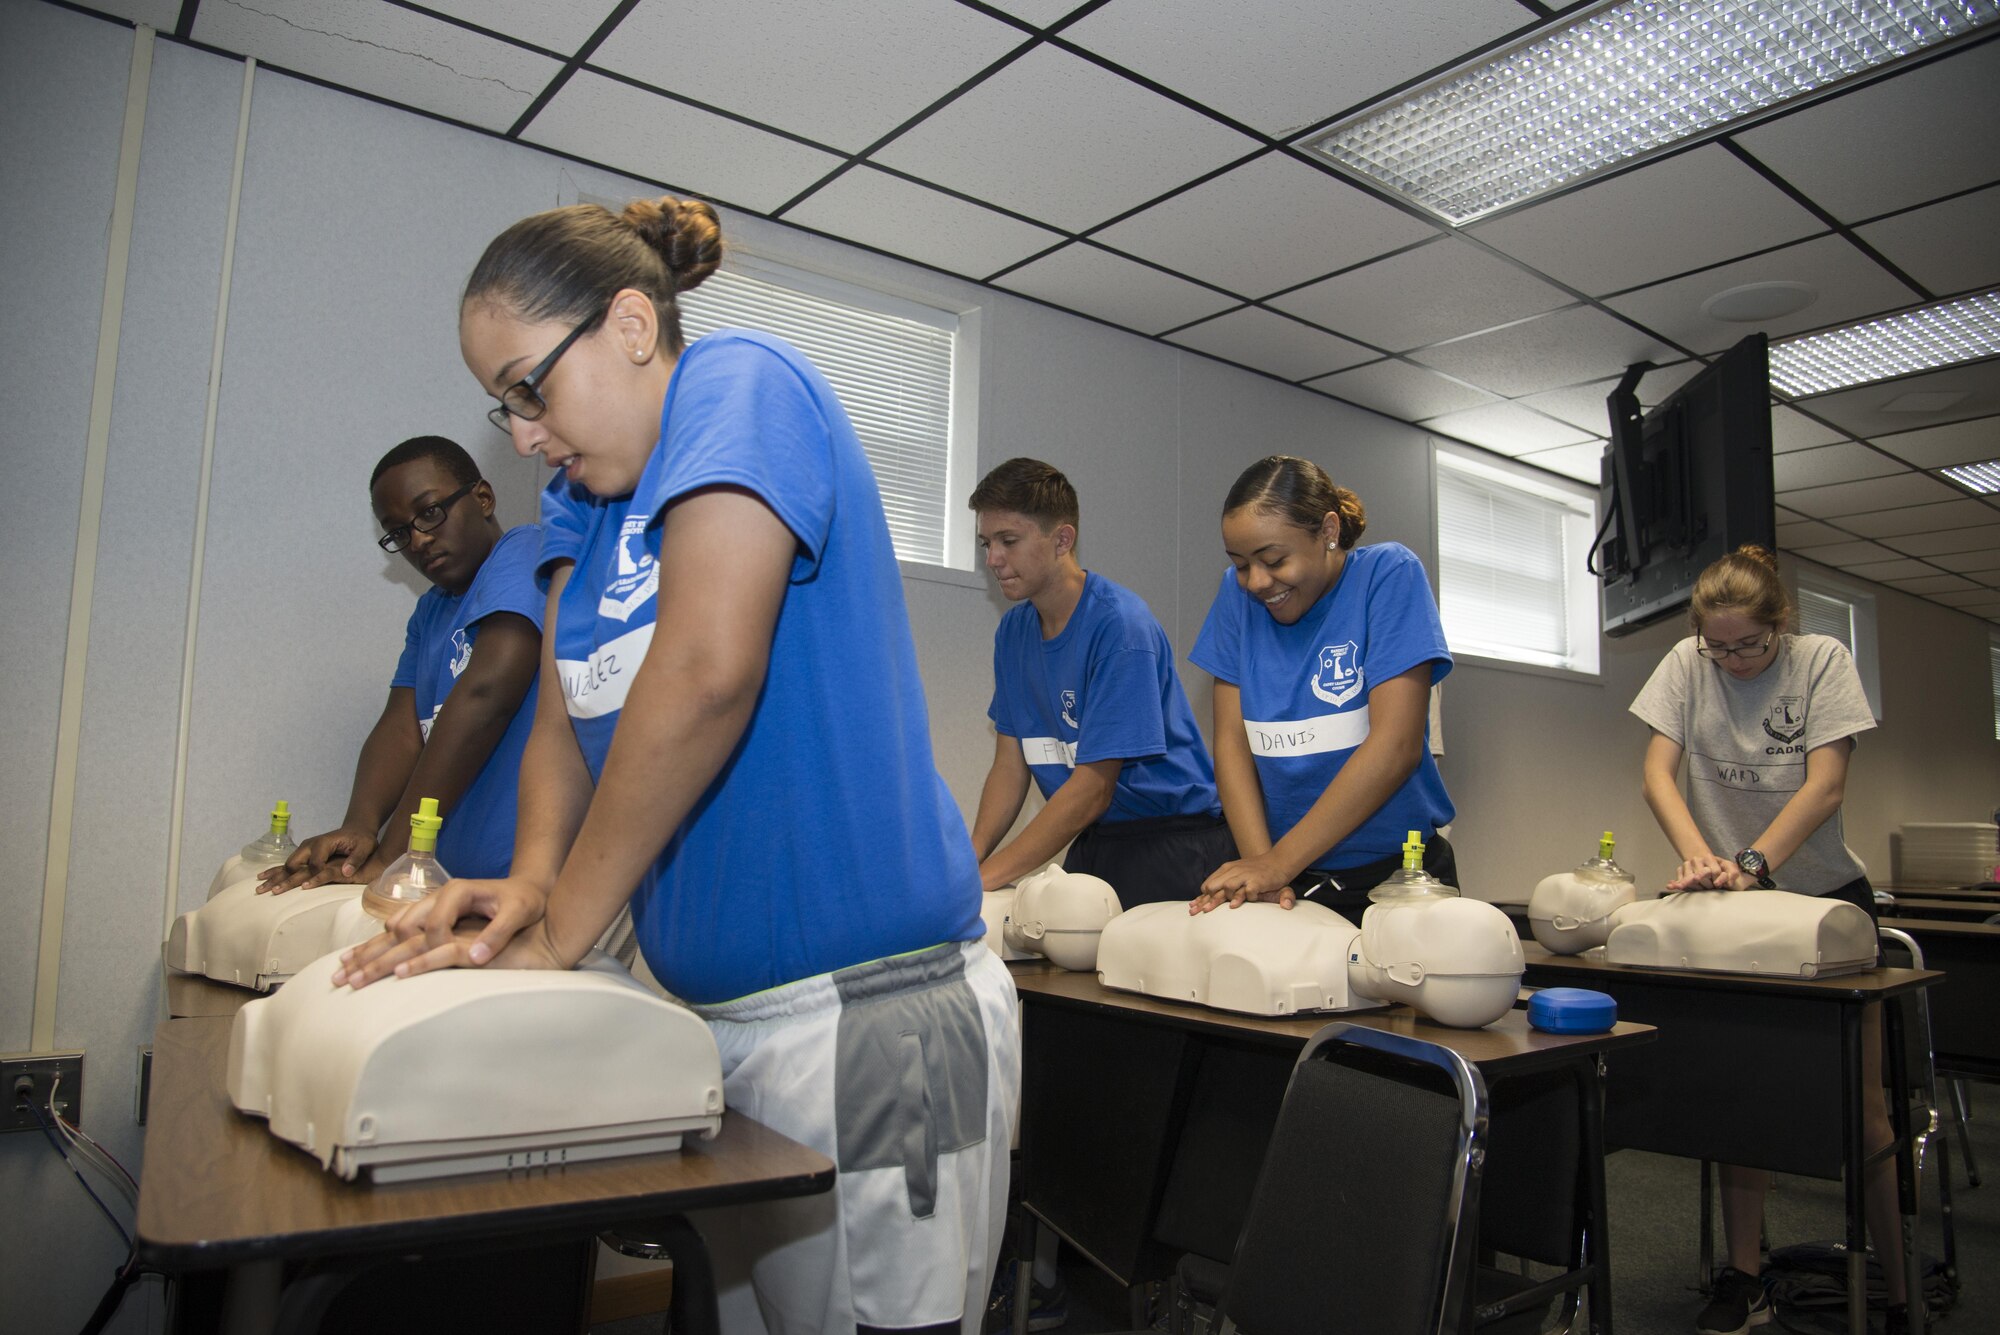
(596, 686)
(1048, 751)
(1309, 736)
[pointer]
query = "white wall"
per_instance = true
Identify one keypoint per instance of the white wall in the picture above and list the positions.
(357, 226)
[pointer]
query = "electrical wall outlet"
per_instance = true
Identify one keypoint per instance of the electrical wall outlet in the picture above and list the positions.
(25, 1081)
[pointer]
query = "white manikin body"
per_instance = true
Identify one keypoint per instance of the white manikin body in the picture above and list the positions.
(1457, 960)
(995, 907)
(232, 871)
(466, 1070)
(1570, 912)
(1746, 931)
(1060, 915)
(258, 941)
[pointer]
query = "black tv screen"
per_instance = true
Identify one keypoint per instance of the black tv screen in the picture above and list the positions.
(1684, 484)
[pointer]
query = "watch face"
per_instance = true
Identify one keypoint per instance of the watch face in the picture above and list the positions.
(1751, 861)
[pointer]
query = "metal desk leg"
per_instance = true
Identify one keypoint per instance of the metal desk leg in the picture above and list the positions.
(1908, 1186)
(691, 1309)
(1853, 1172)
(250, 1297)
(1024, 1272)
(1590, 1091)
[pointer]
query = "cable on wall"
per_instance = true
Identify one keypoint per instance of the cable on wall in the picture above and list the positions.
(175, 822)
(83, 576)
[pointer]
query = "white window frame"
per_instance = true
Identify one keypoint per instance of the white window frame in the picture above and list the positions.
(1582, 604)
(955, 522)
(1866, 647)
(1993, 664)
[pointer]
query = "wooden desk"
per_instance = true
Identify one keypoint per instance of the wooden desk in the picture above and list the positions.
(1959, 910)
(1963, 1009)
(190, 995)
(1963, 894)
(220, 1190)
(1144, 1121)
(1746, 1071)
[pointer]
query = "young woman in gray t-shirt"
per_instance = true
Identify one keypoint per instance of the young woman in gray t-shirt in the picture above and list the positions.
(1766, 721)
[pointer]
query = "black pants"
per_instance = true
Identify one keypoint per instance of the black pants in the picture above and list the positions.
(1152, 860)
(1348, 894)
(1858, 893)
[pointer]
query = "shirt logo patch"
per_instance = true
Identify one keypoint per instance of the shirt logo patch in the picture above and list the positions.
(461, 653)
(1785, 722)
(638, 577)
(1339, 677)
(1069, 708)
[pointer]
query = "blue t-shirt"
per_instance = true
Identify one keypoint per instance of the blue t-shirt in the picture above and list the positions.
(478, 836)
(829, 838)
(1104, 689)
(1305, 687)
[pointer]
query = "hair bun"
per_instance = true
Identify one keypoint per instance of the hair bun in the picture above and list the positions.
(684, 232)
(1763, 556)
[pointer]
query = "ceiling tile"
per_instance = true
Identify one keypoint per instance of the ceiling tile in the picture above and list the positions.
(1967, 563)
(1281, 65)
(1436, 291)
(1935, 530)
(159, 15)
(1947, 247)
(914, 221)
(1866, 411)
(1882, 493)
(1902, 568)
(1935, 447)
(1850, 286)
(1041, 13)
(1401, 390)
(1567, 348)
(832, 73)
(1828, 464)
(1508, 428)
(1793, 430)
(560, 28)
(1812, 533)
(1083, 278)
(1583, 462)
(1270, 342)
(1929, 584)
(1683, 212)
(1979, 602)
(1584, 406)
(370, 47)
(626, 128)
(1913, 137)
(1287, 223)
(1850, 553)
(1055, 137)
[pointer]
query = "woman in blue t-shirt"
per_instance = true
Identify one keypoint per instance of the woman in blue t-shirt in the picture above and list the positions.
(1324, 655)
(731, 735)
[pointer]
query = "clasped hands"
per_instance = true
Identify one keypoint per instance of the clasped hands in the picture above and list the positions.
(1710, 873)
(466, 924)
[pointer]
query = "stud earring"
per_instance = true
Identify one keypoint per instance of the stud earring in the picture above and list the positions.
(1331, 545)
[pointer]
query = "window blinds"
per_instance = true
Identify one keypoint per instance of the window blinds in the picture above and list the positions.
(892, 373)
(1826, 614)
(1502, 558)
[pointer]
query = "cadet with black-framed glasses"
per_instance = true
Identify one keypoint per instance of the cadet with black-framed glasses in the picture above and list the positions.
(461, 701)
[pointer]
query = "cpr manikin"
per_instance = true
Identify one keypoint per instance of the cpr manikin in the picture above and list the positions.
(259, 941)
(468, 1070)
(1570, 912)
(268, 850)
(1744, 931)
(1457, 960)
(1053, 913)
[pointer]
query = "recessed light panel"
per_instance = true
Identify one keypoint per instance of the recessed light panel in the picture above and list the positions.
(1922, 338)
(1982, 478)
(1621, 82)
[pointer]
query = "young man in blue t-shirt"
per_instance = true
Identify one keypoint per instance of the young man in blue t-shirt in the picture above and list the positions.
(462, 700)
(1086, 700)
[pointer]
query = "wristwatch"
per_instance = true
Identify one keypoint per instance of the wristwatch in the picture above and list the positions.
(1754, 864)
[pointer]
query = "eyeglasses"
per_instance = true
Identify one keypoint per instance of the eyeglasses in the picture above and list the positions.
(523, 398)
(1716, 653)
(424, 520)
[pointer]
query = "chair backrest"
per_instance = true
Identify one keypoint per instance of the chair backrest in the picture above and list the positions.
(1365, 1216)
(1900, 950)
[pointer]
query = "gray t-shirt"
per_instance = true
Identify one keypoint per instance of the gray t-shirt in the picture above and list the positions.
(1746, 744)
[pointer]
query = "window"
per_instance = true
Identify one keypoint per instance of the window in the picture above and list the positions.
(1830, 606)
(1511, 546)
(898, 368)
(1993, 661)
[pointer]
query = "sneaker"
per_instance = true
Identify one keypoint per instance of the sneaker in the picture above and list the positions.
(1048, 1305)
(1736, 1303)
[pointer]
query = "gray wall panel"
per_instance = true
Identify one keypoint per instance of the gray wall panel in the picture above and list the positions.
(62, 97)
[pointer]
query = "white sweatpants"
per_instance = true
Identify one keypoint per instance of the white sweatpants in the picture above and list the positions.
(906, 1072)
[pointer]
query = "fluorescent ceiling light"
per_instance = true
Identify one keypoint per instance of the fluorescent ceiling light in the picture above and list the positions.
(1982, 478)
(1923, 338)
(1620, 82)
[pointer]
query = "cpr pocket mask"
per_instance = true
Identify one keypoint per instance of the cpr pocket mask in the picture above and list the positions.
(470, 1070)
